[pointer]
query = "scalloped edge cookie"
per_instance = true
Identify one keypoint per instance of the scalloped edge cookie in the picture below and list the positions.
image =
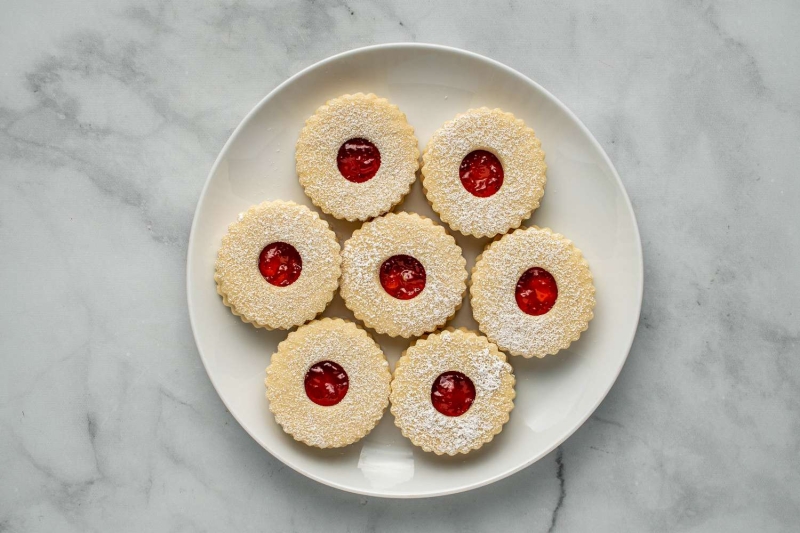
(245, 291)
(398, 234)
(495, 275)
(519, 151)
(348, 117)
(347, 344)
(458, 350)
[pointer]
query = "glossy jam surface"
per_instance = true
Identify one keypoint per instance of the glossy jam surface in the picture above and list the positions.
(280, 264)
(481, 173)
(326, 383)
(358, 160)
(536, 291)
(452, 393)
(402, 277)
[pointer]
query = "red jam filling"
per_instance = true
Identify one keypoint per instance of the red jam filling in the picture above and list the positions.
(280, 264)
(536, 291)
(358, 160)
(326, 383)
(481, 173)
(402, 276)
(452, 393)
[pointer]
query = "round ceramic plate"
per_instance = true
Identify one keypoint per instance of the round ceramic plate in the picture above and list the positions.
(584, 200)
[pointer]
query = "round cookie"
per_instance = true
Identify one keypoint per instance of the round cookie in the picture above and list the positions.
(403, 275)
(484, 172)
(532, 292)
(278, 266)
(452, 392)
(328, 383)
(357, 156)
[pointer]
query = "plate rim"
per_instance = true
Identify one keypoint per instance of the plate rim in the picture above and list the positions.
(458, 51)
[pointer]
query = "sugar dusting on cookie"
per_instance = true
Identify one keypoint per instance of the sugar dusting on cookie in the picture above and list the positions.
(244, 289)
(403, 234)
(452, 350)
(367, 396)
(495, 308)
(357, 116)
(522, 158)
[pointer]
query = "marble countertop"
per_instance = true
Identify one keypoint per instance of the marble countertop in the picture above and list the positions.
(111, 114)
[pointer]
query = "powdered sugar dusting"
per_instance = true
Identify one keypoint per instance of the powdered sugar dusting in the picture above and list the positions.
(357, 116)
(245, 290)
(452, 350)
(403, 234)
(520, 153)
(367, 396)
(494, 280)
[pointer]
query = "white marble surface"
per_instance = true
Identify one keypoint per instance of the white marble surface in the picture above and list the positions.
(111, 113)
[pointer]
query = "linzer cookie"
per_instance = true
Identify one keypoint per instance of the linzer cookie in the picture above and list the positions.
(357, 156)
(403, 275)
(452, 392)
(278, 265)
(484, 172)
(328, 384)
(532, 292)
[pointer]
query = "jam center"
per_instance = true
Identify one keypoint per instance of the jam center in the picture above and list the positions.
(280, 264)
(402, 276)
(358, 160)
(481, 173)
(326, 383)
(536, 291)
(452, 393)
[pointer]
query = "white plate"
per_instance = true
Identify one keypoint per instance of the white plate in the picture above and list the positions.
(584, 200)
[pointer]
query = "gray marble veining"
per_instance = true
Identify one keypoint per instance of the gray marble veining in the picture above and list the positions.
(111, 114)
